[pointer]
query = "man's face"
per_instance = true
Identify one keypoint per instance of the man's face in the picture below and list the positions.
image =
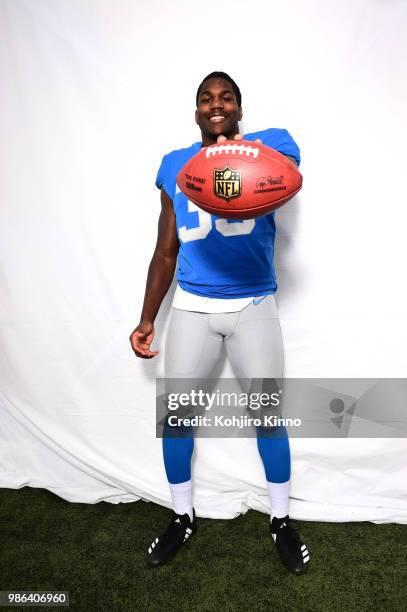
(217, 112)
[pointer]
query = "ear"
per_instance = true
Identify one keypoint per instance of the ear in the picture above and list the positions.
(196, 117)
(240, 113)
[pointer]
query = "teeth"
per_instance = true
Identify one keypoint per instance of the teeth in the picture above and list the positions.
(216, 118)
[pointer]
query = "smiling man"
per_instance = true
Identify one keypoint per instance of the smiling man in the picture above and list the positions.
(224, 296)
(218, 110)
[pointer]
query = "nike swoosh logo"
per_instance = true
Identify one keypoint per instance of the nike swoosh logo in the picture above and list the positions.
(255, 302)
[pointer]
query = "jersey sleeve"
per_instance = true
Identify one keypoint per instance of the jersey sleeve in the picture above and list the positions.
(282, 141)
(287, 146)
(164, 177)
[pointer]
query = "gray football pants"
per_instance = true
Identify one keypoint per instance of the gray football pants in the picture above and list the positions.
(252, 338)
(254, 347)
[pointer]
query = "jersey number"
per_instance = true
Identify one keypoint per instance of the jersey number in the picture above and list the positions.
(205, 225)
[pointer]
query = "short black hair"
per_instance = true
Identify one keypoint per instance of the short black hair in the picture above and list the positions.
(226, 77)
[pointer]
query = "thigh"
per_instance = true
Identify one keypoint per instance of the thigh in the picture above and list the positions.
(191, 352)
(255, 348)
(192, 348)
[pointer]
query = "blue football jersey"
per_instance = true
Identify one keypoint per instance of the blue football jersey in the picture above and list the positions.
(223, 258)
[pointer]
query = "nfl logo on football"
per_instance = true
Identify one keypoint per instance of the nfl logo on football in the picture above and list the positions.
(227, 183)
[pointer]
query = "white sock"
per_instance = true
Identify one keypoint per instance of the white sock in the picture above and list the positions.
(279, 496)
(181, 495)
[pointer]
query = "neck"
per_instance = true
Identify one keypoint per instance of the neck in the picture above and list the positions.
(210, 139)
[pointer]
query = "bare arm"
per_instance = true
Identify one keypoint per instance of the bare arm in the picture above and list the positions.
(159, 278)
(162, 265)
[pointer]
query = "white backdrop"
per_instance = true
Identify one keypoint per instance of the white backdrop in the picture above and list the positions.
(93, 94)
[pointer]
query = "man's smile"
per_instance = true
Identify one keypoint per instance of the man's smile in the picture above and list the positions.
(217, 117)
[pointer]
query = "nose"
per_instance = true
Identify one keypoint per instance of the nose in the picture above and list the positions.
(216, 103)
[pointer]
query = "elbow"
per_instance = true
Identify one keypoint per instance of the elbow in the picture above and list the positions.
(165, 257)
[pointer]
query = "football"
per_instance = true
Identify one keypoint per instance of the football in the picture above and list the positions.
(239, 179)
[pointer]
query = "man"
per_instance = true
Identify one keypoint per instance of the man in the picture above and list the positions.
(226, 281)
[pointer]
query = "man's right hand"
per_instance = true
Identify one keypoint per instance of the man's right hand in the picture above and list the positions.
(141, 339)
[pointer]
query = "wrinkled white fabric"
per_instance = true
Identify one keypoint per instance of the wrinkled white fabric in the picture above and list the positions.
(93, 94)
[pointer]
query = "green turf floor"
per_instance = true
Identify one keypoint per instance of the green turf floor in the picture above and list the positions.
(97, 553)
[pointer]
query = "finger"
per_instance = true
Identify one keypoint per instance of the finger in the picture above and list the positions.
(138, 349)
(221, 138)
(143, 356)
(139, 345)
(258, 140)
(147, 354)
(143, 346)
(238, 137)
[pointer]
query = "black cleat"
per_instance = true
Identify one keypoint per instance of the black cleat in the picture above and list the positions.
(293, 552)
(165, 547)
